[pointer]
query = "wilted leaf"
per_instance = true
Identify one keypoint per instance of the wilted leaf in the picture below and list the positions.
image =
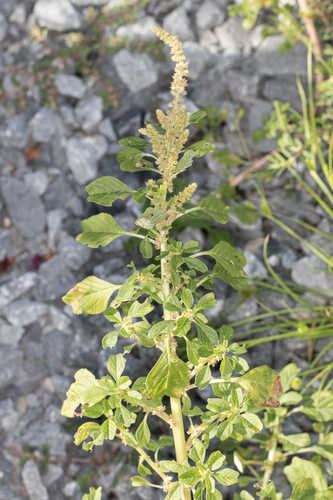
(263, 385)
(90, 296)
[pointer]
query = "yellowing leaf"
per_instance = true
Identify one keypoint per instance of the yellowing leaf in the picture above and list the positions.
(90, 296)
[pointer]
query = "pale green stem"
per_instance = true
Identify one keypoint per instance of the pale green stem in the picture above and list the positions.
(270, 459)
(176, 408)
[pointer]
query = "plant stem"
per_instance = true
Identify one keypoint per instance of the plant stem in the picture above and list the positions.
(270, 458)
(176, 408)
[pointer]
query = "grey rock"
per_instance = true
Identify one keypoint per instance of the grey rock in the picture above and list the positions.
(39, 433)
(106, 128)
(43, 125)
(254, 268)
(54, 222)
(288, 258)
(270, 62)
(70, 489)
(282, 89)
(141, 29)
(10, 360)
(205, 91)
(73, 253)
(99, 143)
(233, 38)
(28, 215)
(68, 116)
(54, 279)
(83, 3)
(196, 57)
(209, 41)
(3, 27)
(58, 15)
(10, 334)
(60, 194)
(14, 133)
(209, 15)
(258, 110)
(319, 241)
(242, 86)
(178, 23)
(245, 310)
(38, 181)
(8, 415)
(55, 344)
(82, 159)
(5, 242)
(312, 272)
(54, 472)
(16, 287)
(19, 14)
(24, 312)
(137, 71)
(107, 269)
(70, 86)
(89, 112)
(33, 482)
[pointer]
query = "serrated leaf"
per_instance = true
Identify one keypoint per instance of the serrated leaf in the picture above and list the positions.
(227, 477)
(133, 142)
(93, 494)
(99, 230)
(146, 248)
(116, 365)
(169, 376)
(216, 209)
(106, 190)
(263, 385)
(90, 296)
(85, 390)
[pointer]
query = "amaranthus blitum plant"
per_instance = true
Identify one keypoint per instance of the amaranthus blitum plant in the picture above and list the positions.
(173, 283)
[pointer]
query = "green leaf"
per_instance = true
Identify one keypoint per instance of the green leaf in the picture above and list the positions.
(93, 494)
(197, 117)
(173, 304)
(203, 377)
(187, 297)
(227, 159)
(149, 218)
(287, 374)
(201, 148)
(293, 442)
(246, 212)
(99, 230)
(245, 495)
(143, 433)
(90, 296)
(85, 430)
(85, 390)
(107, 189)
(133, 142)
(206, 334)
(169, 376)
(251, 421)
(263, 385)
(197, 264)
(190, 478)
(229, 258)
(140, 309)
(172, 466)
(216, 209)
(146, 248)
(217, 405)
(300, 470)
(215, 460)
(198, 451)
(165, 326)
(227, 477)
(175, 491)
(183, 326)
(207, 301)
(192, 352)
(131, 160)
(138, 481)
(185, 161)
(110, 339)
(116, 365)
(320, 406)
